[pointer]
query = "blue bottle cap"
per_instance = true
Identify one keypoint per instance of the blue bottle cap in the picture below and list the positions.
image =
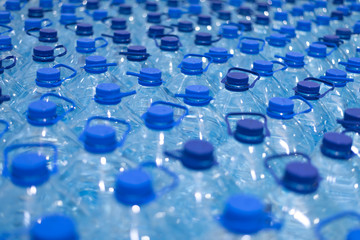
(68, 8)
(243, 214)
(43, 54)
(249, 131)
(279, 107)
(308, 89)
(320, 4)
(219, 54)
(356, 28)
(150, 77)
(345, 10)
(95, 60)
(47, 75)
(244, 11)
(108, 94)
(198, 155)
(262, 19)
(336, 145)
(281, 16)
(48, 35)
(229, 31)
(117, 2)
(173, 3)
(5, 45)
(353, 234)
(118, 24)
(338, 2)
(122, 37)
(12, 5)
(99, 15)
(195, 9)
(204, 20)
(216, 5)
(134, 187)
(344, 33)
(54, 227)
(155, 30)
(5, 17)
(277, 40)
(338, 74)
(355, 7)
(317, 50)
(276, 3)
(303, 25)
(84, 29)
(159, 117)
(203, 38)
(185, 26)
(322, 20)
(29, 169)
(175, 13)
(35, 12)
(262, 6)
(85, 45)
(263, 67)
(297, 12)
(169, 43)
(294, 59)
(153, 17)
(338, 15)
(151, 6)
(46, 4)
(247, 25)
(355, 65)
(137, 49)
(249, 46)
(125, 9)
(68, 18)
(100, 138)
(288, 30)
(92, 4)
(308, 7)
(332, 39)
(194, 1)
(32, 23)
(41, 111)
(301, 177)
(197, 90)
(352, 114)
(224, 15)
(192, 66)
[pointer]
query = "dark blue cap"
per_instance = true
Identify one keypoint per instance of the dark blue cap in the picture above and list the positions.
(323, 20)
(356, 28)
(354, 66)
(303, 25)
(12, 5)
(100, 138)
(317, 50)
(249, 131)
(281, 16)
(117, 2)
(345, 10)
(237, 81)
(48, 35)
(344, 33)
(43, 54)
(68, 18)
(44, 76)
(185, 26)
(153, 17)
(118, 24)
(169, 43)
(155, 30)
(40, 110)
(108, 94)
(68, 8)
(276, 3)
(175, 13)
(224, 15)
(150, 77)
(85, 45)
(141, 50)
(352, 114)
(84, 29)
(229, 31)
(35, 12)
(159, 117)
(338, 2)
(92, 4)
(216, 5)
(219, 54)
(262, 6)
(194, 1)
(172, 3)
(46, 4)
(192, 66)
(262, 19)
(353, 234)
(246, 24)
(294, 59)
(279, 106)
(5, 44)
(249, 46)
(337, 73)
(29, 169)
(195, 9)
(194, 91)
(244, 11)
(336, 145)
(320, 4)
(95, 60)
(5, 17)
(288, 30)
(54, 227)
(151, 6)
(263, 66)
(198, 155)
(125, 9)
(297, 12)
(122, 37)
(308, 89)
(32, 23)
(203, 38)
(204, 20)
(301, 177)
(355, 7)
(338, 15)
(332, 39)
(308, 7)
(243, 214)
(277, 40)
(99, 14)
(134, 187)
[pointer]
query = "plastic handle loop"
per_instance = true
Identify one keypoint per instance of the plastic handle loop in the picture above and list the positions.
(322, 81)
(67, 67)
(29, 32)
(88, 67)
(173, 175)
(88, 13)
(272, 157)
(13, 147)
(299, 62)
(101, 39)
(305, 101)
(165, 35)
(333, 218)
(107, 35)
(7, 125)
(67, 26)
(280, 63)
(210, 59)
(243, 70)
(231, 133)
(114, 120)
(72, 108)
(333, 47)
(47, 20)
(262, 41)
(105, 19)
(139, 75)
(168, 27)
(11, 65)
(63, 53)
(9, 29)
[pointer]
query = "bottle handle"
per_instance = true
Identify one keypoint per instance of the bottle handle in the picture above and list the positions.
(28, 32)
(44, 20)
(262, 41)
(171, 29)
(7, 125)
(210, 60)
(272, 157)
(13, 147)
(279, 63)
(229, 130)
(333, 218)
(107, 35)
(72, 107)
(67, 26)
(101, 39)
(67, 67)
(303, 100)
(9, 29)
(105, 19)
(8, 58)
(243, 70)
(173, 175)
(61, 47)
(186, 110)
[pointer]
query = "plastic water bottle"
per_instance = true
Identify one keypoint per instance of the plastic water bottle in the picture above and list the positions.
(184, 30)
(319, 120)
(355, 11)
(11, 85)
(347, 47)
(250, 50)
(321, 7)
(247, 134)
(294, 44)
(337, 20)
(304, 33)
(160, 131)
(46, 36)
(16, 8)
(317, 61)
(246, 27)
(280, 18)
(192, 72)
(352, 67)
(203, 121)
(333, 41)
(300, 198)
(120, 42)
(80, 30)
(286, 130)
(237, 94)
(349, 125)
(223, 18)
(196, 167)
(296, 14)
(106, 102)
(276, 45)
(261, 26)
(322, 25)
(229, 40)
(203, 42)
(150, 89)
(204, 23)
(309, 8)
